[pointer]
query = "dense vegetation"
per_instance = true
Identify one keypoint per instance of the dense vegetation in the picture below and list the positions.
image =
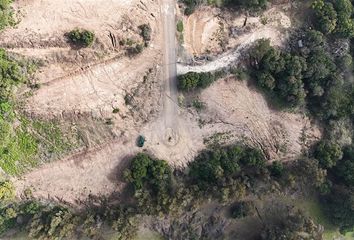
(17, 146)
(334, 17)
(6, 18)
(191, 5)
(315, 73)
(225, 173)
(339, 191)
(193, 80)
(21, 139)
(81, 38)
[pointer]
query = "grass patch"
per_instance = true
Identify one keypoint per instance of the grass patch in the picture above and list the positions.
(6, 14)
(313, 207)
(17, 148)
(22, 142)
(51, 138)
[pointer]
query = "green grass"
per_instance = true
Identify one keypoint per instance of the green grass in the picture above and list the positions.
(17, 148)
(6, 14)
(51, 137)
(312, 206)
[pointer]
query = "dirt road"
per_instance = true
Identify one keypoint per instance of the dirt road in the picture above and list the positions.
(170, 105)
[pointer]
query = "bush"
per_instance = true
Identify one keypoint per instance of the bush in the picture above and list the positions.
(276, 169)
(248, 4)
(345, 167)
(328, 153)
(242, 209)
(135, 50)
(213, 166)
(180, 27)
(338, 206)
(193, 80)
(145, 32)
(278, 73)
(6, 18)
(7, 191)
(82, 38)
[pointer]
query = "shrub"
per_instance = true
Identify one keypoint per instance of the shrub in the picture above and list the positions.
(242, 209)
(345, 167)
(213, 166)
(82, 38)
(147, 171)
(276, 169)
(328, 153)
(180, 27)
(137, 49)
(7, 191)
(193, 80)
(145, 32)
(6, 18)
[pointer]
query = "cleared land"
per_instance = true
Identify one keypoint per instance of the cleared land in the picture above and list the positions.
(90, 83)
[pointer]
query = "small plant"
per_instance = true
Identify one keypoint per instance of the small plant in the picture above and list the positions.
(109, 121)
(82, 38)
(276, 169)
(145, 32)
(264, 20)
(198, 105)
(240, 73)
(180, 27)
(134, 50)
(242, 209)
(7, 191)
(115, 110)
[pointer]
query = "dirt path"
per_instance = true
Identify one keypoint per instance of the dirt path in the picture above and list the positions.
(173, 133)
(232, 56)
(170, 106)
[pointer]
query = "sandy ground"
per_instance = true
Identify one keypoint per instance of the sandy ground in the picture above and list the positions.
(206, 33)
(201, 31)
(89, 83)
(209, 31)
(243, 113)
(45, 21)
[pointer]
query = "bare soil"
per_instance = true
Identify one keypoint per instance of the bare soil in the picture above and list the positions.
(89, 83)
(243, 113)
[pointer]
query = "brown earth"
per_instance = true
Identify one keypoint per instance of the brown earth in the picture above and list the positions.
(210, 31)
(90, 83)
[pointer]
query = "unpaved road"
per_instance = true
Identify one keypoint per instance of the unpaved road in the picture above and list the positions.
(231, 57)
(170, 105)
(176, 134)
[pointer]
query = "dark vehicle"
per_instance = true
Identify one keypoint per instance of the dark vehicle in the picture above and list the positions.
(140, 141)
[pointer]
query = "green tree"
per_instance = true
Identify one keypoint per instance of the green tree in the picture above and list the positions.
(266, 81)
(81, 38)
(328, 153)
(345, 167)
(138, 170)
(326, 16)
